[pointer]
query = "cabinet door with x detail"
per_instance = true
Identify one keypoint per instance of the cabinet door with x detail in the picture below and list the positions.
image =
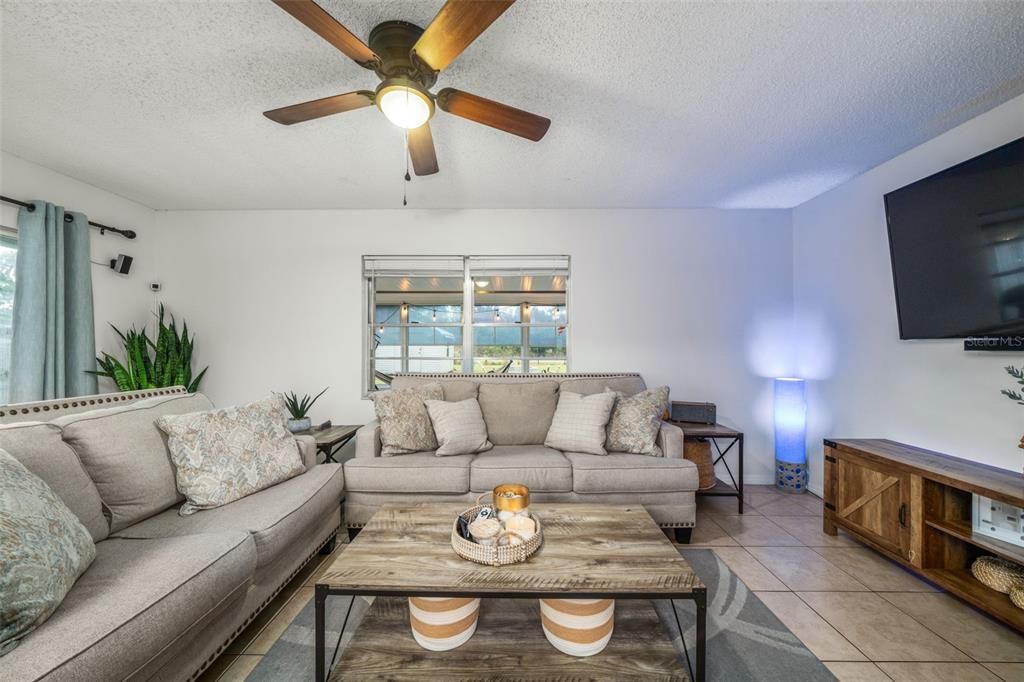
(871, 499)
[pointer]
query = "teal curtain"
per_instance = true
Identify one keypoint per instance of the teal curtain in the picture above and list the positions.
(54, 339)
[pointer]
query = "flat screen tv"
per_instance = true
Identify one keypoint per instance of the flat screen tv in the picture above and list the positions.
(957, 245)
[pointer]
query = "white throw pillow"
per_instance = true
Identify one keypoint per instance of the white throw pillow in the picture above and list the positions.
(223, 455)
(579, 423)
(459, 427)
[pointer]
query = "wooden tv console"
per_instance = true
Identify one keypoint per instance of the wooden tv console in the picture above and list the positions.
(914, 506)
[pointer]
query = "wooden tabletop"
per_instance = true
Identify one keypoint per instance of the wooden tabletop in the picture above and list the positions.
(593, 551)
(332, 434)
(962, 473)
(702, 430)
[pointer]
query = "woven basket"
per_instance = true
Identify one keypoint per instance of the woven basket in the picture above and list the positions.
(699, 452)
(999, 574)
(493, 555)
(1017, 595)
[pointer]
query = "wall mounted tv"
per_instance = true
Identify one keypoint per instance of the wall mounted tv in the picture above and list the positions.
(957, 245)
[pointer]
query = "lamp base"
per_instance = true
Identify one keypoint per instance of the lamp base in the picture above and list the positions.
(791, 477)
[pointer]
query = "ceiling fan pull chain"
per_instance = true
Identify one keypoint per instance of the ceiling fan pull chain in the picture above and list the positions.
(405, 186)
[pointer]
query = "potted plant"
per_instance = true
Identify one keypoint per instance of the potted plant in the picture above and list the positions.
(152, 364)
(299, 408)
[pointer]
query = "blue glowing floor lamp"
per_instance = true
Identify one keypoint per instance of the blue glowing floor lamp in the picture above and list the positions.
(790, 435)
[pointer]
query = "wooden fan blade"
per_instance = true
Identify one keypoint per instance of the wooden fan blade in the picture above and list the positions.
(493, 114)
(330, 29)
(421, 149)
(307, 111)
(456, 26)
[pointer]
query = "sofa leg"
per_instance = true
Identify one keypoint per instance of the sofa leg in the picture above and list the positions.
(353, 532)
(329, 547)
(683, 535)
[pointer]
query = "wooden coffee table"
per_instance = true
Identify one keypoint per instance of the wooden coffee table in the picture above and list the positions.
(589, 552)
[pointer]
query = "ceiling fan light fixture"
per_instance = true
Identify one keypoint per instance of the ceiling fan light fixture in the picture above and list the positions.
(404, 102)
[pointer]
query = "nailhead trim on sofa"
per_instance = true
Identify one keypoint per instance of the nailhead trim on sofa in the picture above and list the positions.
(60, 405)
(227, 642)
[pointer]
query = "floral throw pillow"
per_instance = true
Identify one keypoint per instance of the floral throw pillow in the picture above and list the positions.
(636, 421)
(43, 550)
(404, 422)
(221, 456)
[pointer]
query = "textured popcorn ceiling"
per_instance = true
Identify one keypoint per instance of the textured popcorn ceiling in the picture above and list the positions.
(654, 104)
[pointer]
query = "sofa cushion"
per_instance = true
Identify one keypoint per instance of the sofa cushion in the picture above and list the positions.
(275, 516)
(518, 413)
(224, 455)
(404, 423)
(619, 472)
(39, 447)
(125, 455)
(539, 468)
(135, 600)
(453, 390)
(626, 385)
(420, 472)
(579, 422)
(43, 550)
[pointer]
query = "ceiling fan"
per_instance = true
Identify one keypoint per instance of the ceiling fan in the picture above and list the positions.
(408, 59)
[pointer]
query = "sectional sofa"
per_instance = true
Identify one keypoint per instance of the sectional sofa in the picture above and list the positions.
(518, 410)
(166, 593)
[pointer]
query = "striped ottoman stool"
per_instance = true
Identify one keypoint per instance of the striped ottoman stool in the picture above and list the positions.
(578, 627)
(443, 623)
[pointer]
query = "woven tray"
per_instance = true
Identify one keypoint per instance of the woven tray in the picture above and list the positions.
(494, 555)
(999, 574)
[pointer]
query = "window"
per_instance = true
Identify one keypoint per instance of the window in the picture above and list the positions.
(461, 314)
(8, 256)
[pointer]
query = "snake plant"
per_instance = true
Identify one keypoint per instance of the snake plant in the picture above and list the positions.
(149, 364)
(298, 407)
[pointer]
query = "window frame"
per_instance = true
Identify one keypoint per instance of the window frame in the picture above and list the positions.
(468, 305)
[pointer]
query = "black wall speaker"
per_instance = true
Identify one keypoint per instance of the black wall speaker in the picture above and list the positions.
(122, 264)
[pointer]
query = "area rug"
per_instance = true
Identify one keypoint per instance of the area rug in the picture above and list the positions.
(746, 642)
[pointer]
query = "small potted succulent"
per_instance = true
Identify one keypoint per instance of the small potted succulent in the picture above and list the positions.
(298, 409)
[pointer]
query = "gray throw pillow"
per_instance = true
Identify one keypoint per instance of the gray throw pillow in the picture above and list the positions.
(459, 427)
(223, 455)
(404, 422)
(579, 423)
(636, 421)
(43, 550)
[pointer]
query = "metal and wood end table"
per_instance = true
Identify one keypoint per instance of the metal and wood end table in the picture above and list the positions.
(332, 439)
(589, 552)
(715, 433)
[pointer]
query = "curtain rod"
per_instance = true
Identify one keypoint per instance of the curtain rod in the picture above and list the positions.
(127, 234)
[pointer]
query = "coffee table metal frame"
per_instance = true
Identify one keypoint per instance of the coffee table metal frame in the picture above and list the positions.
(697, 594)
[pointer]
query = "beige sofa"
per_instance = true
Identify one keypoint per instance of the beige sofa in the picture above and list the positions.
(166, 593)
(518, 410)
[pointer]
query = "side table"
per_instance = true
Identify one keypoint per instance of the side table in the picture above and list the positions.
(732, 437)
(332, 439)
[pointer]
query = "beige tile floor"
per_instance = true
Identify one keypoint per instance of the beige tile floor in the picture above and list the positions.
(861, 614)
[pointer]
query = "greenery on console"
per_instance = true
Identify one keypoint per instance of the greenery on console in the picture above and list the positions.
(149, 364)
(298, 407)
(1010, 393)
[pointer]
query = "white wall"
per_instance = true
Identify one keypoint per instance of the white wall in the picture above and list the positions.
(869, 383)
(123, 300)
(691, 299)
